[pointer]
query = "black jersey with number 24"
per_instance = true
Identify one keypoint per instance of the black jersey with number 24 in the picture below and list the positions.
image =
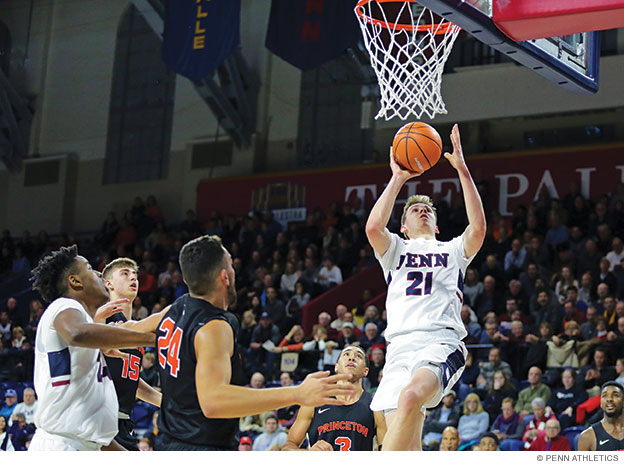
(347, 428)
(181, 417)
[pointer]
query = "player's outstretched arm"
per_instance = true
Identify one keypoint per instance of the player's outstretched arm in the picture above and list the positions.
(587, 440)
(148, 393)
(380, 426)
(76, 331)
(376, 231)
(148, 324)
(214, 344)
(108, 309)
(475, 232)
(297, 432)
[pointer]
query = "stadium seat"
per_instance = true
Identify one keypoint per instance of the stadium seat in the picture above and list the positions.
(573, 433)
(142, 413)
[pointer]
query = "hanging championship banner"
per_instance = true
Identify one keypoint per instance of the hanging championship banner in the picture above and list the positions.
(308, 33)
(199, 35)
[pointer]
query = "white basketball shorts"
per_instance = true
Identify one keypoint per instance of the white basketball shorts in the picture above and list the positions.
(43, 441)
(441, 352)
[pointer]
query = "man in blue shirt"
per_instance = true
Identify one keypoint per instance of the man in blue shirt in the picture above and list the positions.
(558, 233)
(10, 399)
(20, 432)
(514, 259)
(441, 417)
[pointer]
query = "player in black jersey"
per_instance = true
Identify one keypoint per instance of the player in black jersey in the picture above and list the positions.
(200, 367)
(120, 278)
(607, 434)
(350, 427)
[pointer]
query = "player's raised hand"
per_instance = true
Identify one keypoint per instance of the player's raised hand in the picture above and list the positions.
(318, 389)
(457, 158)
(398, 171)
(108, 309)
(322, 446)
(115, 353)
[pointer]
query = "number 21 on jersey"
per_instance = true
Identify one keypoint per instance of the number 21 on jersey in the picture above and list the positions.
(169, 346)
(417, 288)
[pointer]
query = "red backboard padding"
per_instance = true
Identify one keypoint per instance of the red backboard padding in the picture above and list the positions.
(534, 19)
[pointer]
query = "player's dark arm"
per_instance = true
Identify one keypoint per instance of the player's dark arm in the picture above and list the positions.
(214, 345)
(148, 324)
(587, 440)
(76, 331)
(475, 232)
(380, 426)
(376, 230)
(114, 446)
(149, 394)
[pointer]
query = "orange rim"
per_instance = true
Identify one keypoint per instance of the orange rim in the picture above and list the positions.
(436, 28)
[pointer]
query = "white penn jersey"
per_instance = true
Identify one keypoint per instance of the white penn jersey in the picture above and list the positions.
(77, 396)
(425, 282)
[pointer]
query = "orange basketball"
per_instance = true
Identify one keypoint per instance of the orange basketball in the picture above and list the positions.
(417, 146)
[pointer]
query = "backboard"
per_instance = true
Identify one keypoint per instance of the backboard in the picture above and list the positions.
(569, 61)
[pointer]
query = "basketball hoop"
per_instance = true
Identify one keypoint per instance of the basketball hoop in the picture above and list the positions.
(408, 47)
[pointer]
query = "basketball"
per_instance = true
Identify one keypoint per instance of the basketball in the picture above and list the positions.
(417, 147)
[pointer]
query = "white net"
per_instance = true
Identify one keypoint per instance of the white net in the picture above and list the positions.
(408, 62)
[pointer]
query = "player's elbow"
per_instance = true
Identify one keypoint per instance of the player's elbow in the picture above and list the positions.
(374, 228)
(78, 337)
(478, 230)
(210, 410)
(212, 405)
(479, 225)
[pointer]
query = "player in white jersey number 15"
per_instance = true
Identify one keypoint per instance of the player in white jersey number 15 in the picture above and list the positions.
(425, 282)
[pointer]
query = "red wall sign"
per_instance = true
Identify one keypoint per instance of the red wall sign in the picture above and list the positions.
(513, 179)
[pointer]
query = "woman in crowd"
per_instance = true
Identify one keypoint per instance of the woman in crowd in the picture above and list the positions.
(508, 425)
(565, 279)
(248, 323)
(474, 422)
(500, 390)
(300, 298)
(5, 438)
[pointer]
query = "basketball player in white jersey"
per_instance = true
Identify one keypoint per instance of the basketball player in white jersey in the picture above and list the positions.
(77, 400)
(425, 282)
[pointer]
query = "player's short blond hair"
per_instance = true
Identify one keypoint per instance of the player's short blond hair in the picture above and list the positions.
(121, 262)
(417, 199)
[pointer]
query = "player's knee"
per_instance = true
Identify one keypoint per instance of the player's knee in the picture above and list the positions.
(411, 398)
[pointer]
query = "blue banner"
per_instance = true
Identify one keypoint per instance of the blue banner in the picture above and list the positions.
(308, 33)
(199, 35)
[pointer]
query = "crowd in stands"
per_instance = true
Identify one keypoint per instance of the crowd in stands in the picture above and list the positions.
(543, 307)
(544, 312)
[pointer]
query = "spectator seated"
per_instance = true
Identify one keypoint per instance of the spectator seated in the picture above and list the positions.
(474, 422)
(446, 414)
